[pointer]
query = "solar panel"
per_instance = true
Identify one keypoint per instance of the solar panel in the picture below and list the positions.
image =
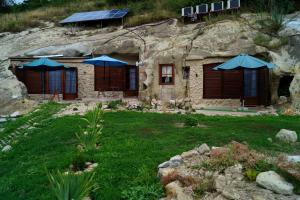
(95, 16)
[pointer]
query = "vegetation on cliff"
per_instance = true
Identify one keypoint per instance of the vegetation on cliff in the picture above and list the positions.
(32, 12)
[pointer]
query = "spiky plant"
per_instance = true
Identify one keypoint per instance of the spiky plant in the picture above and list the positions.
(70, 186)
(90, 136)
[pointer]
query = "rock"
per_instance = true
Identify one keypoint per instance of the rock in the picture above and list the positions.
(164, 164)
(282, 100)
(190, 153)
(203, 148)
(163, 172)
(6, 148)
(235, 172)
(272, 181)
(294, 159)
(220, 183)
(175, 161)
(175, 191)
(218, 152)
(287, 136)
(176, 158)
(2, 120)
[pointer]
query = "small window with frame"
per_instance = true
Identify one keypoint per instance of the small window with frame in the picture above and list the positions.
(166, 74)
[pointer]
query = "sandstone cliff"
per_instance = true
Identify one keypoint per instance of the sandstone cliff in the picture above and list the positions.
(153, 42)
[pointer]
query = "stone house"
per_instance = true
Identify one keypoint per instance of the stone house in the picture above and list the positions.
(194, 81)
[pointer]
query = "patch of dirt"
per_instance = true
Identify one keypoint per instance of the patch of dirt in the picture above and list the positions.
(182, 125)
(146, 132)
(179, 125)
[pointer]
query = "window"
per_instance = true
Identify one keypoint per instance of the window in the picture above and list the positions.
(166, 74)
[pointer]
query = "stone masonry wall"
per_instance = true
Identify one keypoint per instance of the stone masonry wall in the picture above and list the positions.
(196, 86)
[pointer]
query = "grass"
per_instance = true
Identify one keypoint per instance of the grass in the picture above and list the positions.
(132, 145)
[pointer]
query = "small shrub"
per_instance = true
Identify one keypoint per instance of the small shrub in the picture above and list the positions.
(79, 162)
(207, 185)
(71, 186)
(114, 104)
(262, 40)
(89, 138)
(263, 166)
(251, 174)
(143, 192)
(191, 121)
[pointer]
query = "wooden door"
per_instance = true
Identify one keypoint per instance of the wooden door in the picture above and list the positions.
(212, 82)
(34, 81)
(131, 81)
(264, 87)
(70, 84)
(232, 84)
(251, 93)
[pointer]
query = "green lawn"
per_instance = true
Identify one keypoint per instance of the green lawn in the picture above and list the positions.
(133, 144)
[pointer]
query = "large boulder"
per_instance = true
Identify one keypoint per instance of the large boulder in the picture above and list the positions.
(287, 136)
(272, 181)
(11, 89)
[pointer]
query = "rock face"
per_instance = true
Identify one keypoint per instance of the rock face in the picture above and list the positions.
(287, 136)
(272, 181)
(11, 89)
(287, 58)
(164, 42)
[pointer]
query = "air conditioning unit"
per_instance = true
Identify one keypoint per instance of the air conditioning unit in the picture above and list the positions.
(187, 12)
(202, 9)
(219, 6)
(232, 4)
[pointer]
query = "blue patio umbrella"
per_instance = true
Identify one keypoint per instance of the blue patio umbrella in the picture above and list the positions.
(105, 61)
(244, 61)
(43, 63)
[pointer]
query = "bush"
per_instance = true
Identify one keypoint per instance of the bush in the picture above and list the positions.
(114, 104)
(143, 192)
(71, 186)
(89, 138)
(207, 185)
(191, 121)
(251, 174)
(79, 161)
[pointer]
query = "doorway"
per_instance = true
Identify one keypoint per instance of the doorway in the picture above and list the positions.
(70, 84)
(132, 81)
(256, 89)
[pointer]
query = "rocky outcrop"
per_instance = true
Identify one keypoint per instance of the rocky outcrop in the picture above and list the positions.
(163, 42)
(222, 176)
(287, 58)
(11, 89)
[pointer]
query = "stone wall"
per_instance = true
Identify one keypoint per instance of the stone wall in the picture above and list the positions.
(196, 86)
(165, 92)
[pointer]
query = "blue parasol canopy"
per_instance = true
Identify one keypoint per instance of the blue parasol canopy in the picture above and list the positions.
(43, 62)
(244, 61)
(105, 61)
